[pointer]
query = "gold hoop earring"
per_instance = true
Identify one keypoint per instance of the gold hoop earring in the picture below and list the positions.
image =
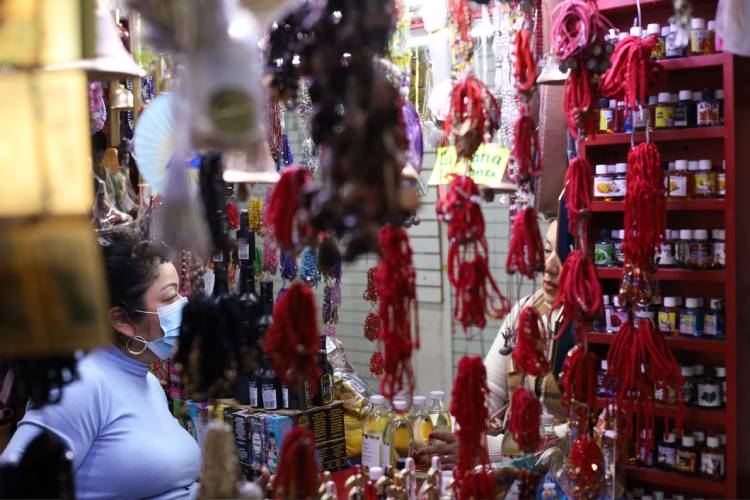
(137, 338)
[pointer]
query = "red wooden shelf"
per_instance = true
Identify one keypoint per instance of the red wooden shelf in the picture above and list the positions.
(695, 62)
(710, 205)
(692, 414)
(657, 136)
(610, 6)
(694, 483)
(675, 343)
(667, 274)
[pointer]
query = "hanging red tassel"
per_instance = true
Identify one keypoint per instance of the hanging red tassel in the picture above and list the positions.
(525, 251)
(528, 354)
(578, 193)
(397, 290)
(233, 216)
(639, 363)
(284, 204)
(476, 484)
(634, 75)
(293, 340)
(526, 153)
(578, 381)
(297, 474)
(524, 68)
(474, 116)
(525, 419)
(580, 295)
(477, 293)
(580, 102)
(586, 469)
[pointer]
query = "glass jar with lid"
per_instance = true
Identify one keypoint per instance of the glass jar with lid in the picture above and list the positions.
(682, 247)
(679, 180)
(683, 108)
(691, 318)
(699, 39)
(669, 316)
(664, 114)
(704, 180)
(603, 183)
(699, 256)
(654, 29)
(620, 181)
(719, 252)
(707, 110)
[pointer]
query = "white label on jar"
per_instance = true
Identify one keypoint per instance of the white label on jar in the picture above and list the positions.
(720, 254)
(641, 118)
(711, 324)
(371, 451)
(721, 181)
(385, 455)
(269, 397)
(603, 187)
(666, 255)
(243, 249)
(712, 463)
(218, 257)
(253, 395)
(608, 318)
(285, 396)
(666, 455)
(677, 185)
(618, 319)
(619, 187)
(703, 184)
(709, 395)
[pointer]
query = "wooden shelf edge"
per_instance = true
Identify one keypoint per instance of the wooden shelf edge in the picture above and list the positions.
(676, 343)
(695, 62)
(657, 136)
(692, 414)
(668, 274)
(610, 6)
(689, 483)
(712, 205)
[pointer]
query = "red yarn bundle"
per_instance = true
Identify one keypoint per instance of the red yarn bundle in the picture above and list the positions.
(524, 68)
(580, 102)
(525, 419)
(580, 294)
(284, 203)
(477, 294)
(639, 363)
(293, 340)
(233, 216)
(634, 75)
(578, 380)
(397, 290)
(525, 251)
(529, 353)
(526, 152)
(469, 407)
(474, 115)
(297, 474)
(578, 187)
(586, 469)
(476, 484)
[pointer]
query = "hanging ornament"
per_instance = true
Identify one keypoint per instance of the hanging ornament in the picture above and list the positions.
(525, 251)
(585, 468)
(372, 327)
(275, 140)
(377, 364)
(395, 282)
(255, 214)
(529, 354)
(329, 263)
(288, 156)
(578, 382)
(297, 473)
(527, 155)
(580, 294)
(284, 205)
(468, 270)
(233, 216)
(462, 46)
(309, 273)
(288, 272)
(474, 116)
(331, 304)
(634, 75)
(525, 419)
(310, 156)
(578, 187)
(270, 255)
(524, 69)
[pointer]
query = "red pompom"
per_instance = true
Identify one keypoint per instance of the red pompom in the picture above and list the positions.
(529, 353)
(297, 473)
(476, 484)
(524, 68)
(284, 204)
(525, 419)
(293, 340)
(474, 115)
(525, 251)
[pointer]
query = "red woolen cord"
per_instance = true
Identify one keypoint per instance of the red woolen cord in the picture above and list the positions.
(475, 484)
(578, 380)
(578, 187)
(293, 340)
(525, 251)
(634, 75)
(526, 153)
(580, 102)
(469, 408)
(297, 474)
(233, 216)
(477, 293)
(586, 469)
(577, 23)
(395, 280)
(525, 419)
(524, 68)
(580, 294)
(284, 203)
(529, 353)
(474, 110)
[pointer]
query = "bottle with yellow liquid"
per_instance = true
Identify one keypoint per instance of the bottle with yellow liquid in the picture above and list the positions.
(398, 436)
(421, 424)
(372, 433)
(441, 418)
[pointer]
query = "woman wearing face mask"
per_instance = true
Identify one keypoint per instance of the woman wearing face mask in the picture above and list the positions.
(502, 376)
(115, 419)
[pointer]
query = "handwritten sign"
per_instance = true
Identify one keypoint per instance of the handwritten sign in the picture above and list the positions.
(487, 165)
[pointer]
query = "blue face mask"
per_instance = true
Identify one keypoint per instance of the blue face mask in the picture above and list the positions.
(170, 319)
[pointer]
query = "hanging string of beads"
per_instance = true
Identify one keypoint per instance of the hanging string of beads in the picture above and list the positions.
(372, 321)
(578, 194)
(580, 294)
(310, 157)
(329, 263)
(288, 272)
(275, 138)
(283, 206)
(255, 211)
(462, 46)
(474, 116)
(309, 274)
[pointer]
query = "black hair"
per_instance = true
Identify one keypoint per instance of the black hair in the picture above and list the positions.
(131, 266)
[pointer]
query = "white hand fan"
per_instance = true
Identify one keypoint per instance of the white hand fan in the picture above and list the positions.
(154, 141)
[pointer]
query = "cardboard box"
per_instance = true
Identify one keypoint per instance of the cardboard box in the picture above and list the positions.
(242, 435)
(277, 427)
(332, 455)
(256, 440)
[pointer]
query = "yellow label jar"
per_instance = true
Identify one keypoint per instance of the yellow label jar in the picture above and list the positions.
(664, 113)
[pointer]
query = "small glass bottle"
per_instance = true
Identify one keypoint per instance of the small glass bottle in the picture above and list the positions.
(664, 115)
(646, 456)
(606, 117)
(711, 28)
(669, 315)
(700, 439)
(666, 452)
(691, 318)
(704, 180)
(654, 29)
(398, 436)
(721, 180)
(603, 183)
(674, 49)
(665, 257)
(608, 310)
(653, 101)
(604, 250)
(601, 378)
(421, 424)
(620, 181)
(687, 456)
(699, 43)
(721, 374)
(708, 391)
(699, 256)
(688, 386)
(441, 418)
(679, 180)
(617, 236)
(682, 110)
(719, 250)
(707, 110)
(719, 95)
(713, 319)
(713, 457)
(620, 314)
(549, 492)
(682, 247)
(372, 433)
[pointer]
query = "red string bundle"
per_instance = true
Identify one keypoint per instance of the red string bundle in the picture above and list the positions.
(293, 340)
(524, 68)
(525, 419)
(578, 187)
(586, 469)
(634, 75)
(639, 363)
(526, 152)
(577, 24)
(580, 294)
(395, 280)
(578, 380)
(468, 270)
(525, 251)
(469, 407)
(476, 484)
(284, 203)
(579, 102)
(233, 216)
(474, 115)
(297, 474)
(529, 353)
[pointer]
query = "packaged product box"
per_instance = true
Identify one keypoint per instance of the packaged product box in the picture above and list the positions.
(332, 455)
(325, 422)
(276, 426)
(256, 440)
(242, 435)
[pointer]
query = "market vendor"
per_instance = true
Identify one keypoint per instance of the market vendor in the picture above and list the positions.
(502, 376)
(115, 419)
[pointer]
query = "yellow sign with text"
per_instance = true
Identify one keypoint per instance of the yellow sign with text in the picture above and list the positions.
(487, 165)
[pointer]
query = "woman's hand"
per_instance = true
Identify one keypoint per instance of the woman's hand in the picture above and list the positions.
(447, 451)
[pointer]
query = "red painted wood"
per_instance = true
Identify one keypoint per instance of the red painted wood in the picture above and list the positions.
(672, 481)
(695, 62)
(669, 274)
(672, 206)
(693, 416)
(657, 136)
(675, 343)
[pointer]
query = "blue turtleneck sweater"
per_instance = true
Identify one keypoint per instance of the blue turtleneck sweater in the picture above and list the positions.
(116, 421)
